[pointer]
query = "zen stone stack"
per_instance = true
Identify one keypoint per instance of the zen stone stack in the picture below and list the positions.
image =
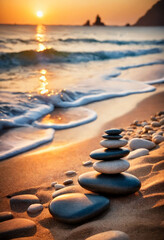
(109, 176)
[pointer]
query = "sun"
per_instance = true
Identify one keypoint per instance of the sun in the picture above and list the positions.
(39, 14)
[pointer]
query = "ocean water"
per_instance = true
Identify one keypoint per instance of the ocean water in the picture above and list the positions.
(48, 75)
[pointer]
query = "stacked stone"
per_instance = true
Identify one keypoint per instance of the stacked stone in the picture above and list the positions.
(109, 176)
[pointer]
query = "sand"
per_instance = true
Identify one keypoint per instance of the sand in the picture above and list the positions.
(139, 215)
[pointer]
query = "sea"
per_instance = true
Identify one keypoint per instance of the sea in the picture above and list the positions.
(48, 75)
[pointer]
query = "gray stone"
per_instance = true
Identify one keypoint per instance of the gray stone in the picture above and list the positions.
(114, 184)
(58, 186)
(77, 207)
(155, 124)
(112, 136)
(5, 216)
(113, 131)
(71, 173)
(68, 182)
(111, 167)
(53, 184)
(109, 154)
(87, 163)
(109, 235)
(20, 203)
(158, 139)
(70, 189)
(17, 227)
(161, 122)
(136, 143)
(35, 208)
(138, 153)
(113, 143)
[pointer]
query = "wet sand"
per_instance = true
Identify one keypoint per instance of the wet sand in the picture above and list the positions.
(139, 215)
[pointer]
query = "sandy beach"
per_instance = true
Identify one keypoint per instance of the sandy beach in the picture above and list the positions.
(139, 215)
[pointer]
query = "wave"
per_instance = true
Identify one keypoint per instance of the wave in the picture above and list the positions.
(22, 111)
(18, 40)
(117, 42)
(141, 65)
(22, 140)
(31, 57)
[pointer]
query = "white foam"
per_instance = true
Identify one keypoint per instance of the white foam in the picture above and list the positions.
(23, 139)
(91, 116)
(156, 81)
(113, 88)
(27, 118)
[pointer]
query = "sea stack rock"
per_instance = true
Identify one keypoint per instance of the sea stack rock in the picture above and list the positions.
(87, 23)
(98, 22)
(109, 176)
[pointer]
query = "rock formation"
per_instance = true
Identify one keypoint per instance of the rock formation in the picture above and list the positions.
(153, 17)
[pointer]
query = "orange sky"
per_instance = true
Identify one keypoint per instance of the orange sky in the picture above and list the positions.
(73, 12)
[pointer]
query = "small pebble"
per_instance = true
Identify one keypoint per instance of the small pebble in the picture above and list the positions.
(87, 163)
(155, 124)
(153, 118)
(35, 208)
(138, 153)
(161, 122)
(59, 186)
(144, 124)
(160, 113)
(53, 184)
(71, 173)
(158, 139)
(151, 131)
(68, 182)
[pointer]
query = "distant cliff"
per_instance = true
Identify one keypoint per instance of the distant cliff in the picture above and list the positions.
(153, 17)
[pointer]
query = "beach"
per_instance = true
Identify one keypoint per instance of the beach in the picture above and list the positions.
(61, 88)
(139, 215)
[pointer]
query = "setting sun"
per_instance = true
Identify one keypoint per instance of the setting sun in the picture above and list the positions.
(39, 14)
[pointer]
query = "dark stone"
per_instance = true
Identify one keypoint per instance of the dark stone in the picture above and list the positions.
(20, 203)
(98, 21)
(107, 154)
(114, 184)
(77, 207)
(18, 227)
(112, 136)
(113, 131)
(87, 24)
(5, 216)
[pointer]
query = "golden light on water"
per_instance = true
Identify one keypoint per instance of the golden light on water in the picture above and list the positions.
(39, 14)
(43, 89)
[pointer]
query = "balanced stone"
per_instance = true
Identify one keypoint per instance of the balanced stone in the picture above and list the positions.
(113, 131)
(77, 207)
(109, 235)
(5, 216)
(114, 184)
(17, 227)
(20, 203)
(112, 136)
(138, 153)
(109, 154)
(136, 143)
(113, 143)
(111, 167)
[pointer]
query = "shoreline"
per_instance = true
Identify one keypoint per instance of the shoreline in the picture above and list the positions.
(60, 149)
(33, 173)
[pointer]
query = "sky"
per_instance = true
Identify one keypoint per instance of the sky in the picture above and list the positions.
(73, 12)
